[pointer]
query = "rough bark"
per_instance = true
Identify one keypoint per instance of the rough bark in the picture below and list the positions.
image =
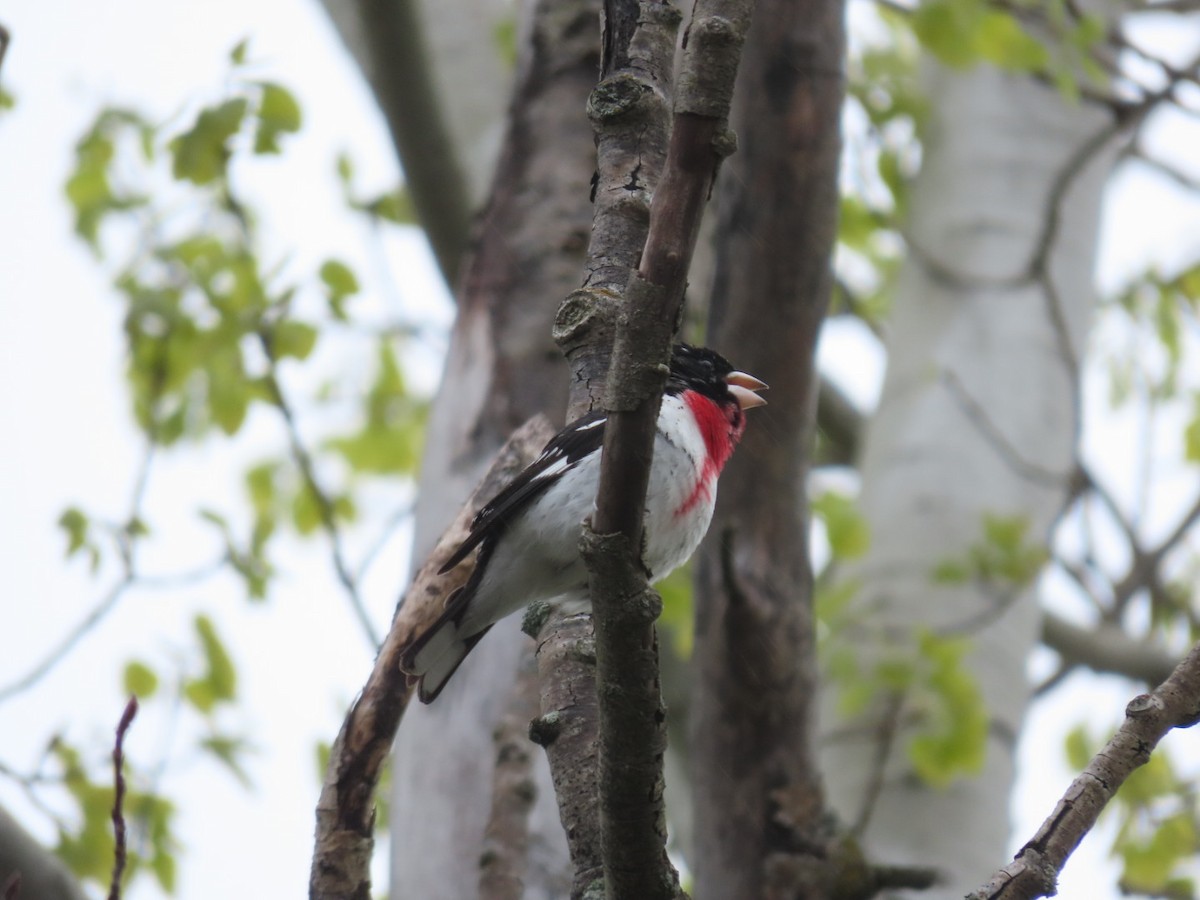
(502, 367)
(630, 114)
(757, 794)
(42, 875)
(632, 729)
(978, 417)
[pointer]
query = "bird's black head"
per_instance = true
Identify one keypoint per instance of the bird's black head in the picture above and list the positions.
(700, 369)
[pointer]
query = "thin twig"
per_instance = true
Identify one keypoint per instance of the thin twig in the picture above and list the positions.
(108, 602)
(118, 813)
(55, 656)
(325, 510)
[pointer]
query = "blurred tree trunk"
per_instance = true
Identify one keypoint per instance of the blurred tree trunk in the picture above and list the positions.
(440, 72)
(43, 875)
(756, 788)
(979, 418)
(527, 252)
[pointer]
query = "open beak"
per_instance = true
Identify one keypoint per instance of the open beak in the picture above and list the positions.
(743, 388)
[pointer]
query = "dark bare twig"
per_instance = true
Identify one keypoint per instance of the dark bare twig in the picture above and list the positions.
(118, 813)
(106, 605)
(397, 518)
(5, 40)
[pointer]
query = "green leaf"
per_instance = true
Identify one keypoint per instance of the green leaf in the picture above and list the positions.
(1001, 40)
(389, 442)
(1191, 433)
(504, 37)
(340, 283)
(947, 29)
(847, 531)
(953, 735)
(1150, 864)
(221, 679)
(163, 867)
(951, 572)
(229, 751)
(1080, 748)
(278, 113)
(201, 153)
(139, 680)
(290, 338)
(676, 593)
(260, 484)
(345, 169)
(237, 55)
(75, 523)
(306, 511)
(394, 206)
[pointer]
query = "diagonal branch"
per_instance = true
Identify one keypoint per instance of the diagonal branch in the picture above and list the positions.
(389, 42)
(346, 809)
(1148, 717)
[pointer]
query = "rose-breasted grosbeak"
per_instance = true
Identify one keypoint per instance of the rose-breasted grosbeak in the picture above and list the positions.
(528, 535)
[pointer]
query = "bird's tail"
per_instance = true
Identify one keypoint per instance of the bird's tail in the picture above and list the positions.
(438, 652)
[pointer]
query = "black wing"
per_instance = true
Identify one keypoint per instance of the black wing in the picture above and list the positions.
(565, 450)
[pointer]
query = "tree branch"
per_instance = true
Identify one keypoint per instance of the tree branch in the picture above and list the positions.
(630, 115)
(346, 810)
(388, 38)
(1106, 648)
(118, 811)
(303, 461)
(632, 735)
(1148, 717)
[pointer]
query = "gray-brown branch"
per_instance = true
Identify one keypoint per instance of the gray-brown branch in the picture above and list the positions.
(346, 808)
(630, 115)
(1148, 717)
(632, 732)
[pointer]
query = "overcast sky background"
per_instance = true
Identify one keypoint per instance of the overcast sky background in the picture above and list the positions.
(68, 439)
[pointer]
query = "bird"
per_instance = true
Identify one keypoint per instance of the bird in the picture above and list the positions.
(528, 534)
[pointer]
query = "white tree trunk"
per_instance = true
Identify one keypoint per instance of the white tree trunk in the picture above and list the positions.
(978, 416)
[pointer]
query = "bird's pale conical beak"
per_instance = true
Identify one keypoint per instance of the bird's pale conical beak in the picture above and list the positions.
(743, 388)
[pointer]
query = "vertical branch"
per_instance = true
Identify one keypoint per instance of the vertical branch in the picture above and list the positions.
(758, 797)
(118, 811)
(630, 115)
(632, 734)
